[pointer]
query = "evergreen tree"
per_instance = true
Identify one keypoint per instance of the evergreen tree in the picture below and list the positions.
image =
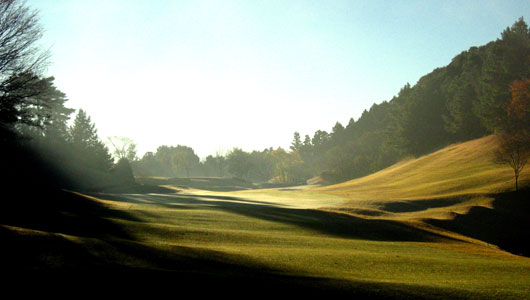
(508, 59)
(296, 144)
(87, 147)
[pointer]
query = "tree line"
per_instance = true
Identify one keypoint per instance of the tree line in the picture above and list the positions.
(275, 165)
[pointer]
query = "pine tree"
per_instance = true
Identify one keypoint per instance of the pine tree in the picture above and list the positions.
(87, 147)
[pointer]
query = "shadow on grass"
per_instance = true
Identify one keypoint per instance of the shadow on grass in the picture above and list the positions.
(217, 184)
(126, 267)
(506, 225)
(329, 223)
(58, 211)
(419, 205)
(102, 249)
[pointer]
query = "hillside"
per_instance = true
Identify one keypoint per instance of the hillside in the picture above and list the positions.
(457, 191)
(457, 170)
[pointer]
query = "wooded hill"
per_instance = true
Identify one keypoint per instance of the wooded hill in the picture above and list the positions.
(464, 100)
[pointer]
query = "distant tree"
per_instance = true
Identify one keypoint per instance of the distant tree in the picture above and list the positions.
(88, 148)
(220, 162)
(123, 147)
(239, 163)
(282, 161)
(148, 165)
(296, 144)
(261, 165)
(209, 166)
(163, 155)
(337, 134)
(123, 172)
(184, 159)
(288, 167)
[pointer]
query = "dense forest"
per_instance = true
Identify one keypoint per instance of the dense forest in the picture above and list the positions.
(469, 98)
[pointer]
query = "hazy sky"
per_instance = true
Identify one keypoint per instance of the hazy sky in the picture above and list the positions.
(214, 75)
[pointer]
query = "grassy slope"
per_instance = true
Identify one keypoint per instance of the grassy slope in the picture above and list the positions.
(460, 169)
(451, 180)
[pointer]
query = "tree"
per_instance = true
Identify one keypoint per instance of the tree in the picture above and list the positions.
(43, 114)
(288, 167)
(296, 144)
(124, 147)
(89, 150)
(220, 162)
(20, 60)
(518, 110)
(148, 165)
(507, 60)
(183, 158)
(239, 163)
(514, 137)
(337, 134)
(19, 31)
(513, 150)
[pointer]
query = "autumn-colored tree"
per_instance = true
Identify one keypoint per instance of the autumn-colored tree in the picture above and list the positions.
(518, 110)
(514, 138)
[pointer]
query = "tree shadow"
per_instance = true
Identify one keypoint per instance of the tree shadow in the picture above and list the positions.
(325, 222)
(104, 249)
(54, 261)
(58, 211)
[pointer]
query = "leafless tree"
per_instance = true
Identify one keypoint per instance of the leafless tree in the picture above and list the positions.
(19, 32)
(123, 147)
(513, 150)
(21, 60)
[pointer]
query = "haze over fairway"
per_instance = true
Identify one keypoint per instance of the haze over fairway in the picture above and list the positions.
(215, 75)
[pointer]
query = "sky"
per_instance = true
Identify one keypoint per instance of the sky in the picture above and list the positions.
(214, 75)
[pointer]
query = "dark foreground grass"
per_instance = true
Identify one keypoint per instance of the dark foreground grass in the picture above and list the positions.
(219, 245)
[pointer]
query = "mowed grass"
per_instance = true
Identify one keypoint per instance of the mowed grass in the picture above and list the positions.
(363, 237)
(376, 256)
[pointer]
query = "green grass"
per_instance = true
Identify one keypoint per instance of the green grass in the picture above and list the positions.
(367, 237)
(358, 253)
